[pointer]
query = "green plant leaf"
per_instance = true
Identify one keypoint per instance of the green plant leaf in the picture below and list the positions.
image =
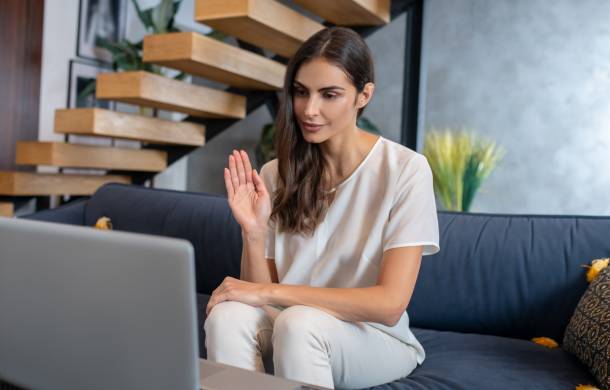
(88, 90)
(161, 15)
(170, 24)
(265, 150)
(144, 16)
(472, 181)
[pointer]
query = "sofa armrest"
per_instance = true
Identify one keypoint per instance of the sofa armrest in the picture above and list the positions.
(72, 213)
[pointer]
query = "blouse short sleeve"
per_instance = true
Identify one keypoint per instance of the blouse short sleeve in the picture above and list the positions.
(269, 178)
(270, 243)
(413, 219)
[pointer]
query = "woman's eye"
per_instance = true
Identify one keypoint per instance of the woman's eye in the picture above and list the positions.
(300, 92)
(330, 95)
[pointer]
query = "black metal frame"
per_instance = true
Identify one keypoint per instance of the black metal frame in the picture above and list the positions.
(412, 59)
(412, 67)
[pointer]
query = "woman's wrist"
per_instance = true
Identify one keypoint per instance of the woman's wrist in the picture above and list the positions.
(253, 235)
(270, 292)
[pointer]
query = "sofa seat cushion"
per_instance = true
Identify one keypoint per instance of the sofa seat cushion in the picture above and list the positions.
(471, 361)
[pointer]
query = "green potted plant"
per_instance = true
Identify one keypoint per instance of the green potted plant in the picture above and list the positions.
(127, 55)
(460, 162)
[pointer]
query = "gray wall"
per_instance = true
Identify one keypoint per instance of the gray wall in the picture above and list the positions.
(205, 165)
(534, 75)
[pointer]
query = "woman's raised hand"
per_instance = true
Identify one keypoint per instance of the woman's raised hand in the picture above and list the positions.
(247, 194)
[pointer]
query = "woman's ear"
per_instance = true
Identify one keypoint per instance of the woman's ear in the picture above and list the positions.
(366, 95)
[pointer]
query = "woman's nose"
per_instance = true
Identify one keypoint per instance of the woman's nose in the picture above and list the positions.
(312, 107)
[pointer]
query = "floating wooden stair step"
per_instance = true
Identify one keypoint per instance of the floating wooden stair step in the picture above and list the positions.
(267, 24)
(97, 121)
(6, 209)
(83, 156)
(151, 90)
(350, 12)
(40, 184)
(206, 57)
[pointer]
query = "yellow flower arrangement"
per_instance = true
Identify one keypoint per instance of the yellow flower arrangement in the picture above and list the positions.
(460, 161)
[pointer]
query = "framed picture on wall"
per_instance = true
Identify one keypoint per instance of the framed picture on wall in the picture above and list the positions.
(99, 19)
(81, 85)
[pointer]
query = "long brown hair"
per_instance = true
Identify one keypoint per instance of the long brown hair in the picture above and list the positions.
(300, 202)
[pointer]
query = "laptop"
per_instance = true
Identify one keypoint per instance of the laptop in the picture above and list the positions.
(82, 308)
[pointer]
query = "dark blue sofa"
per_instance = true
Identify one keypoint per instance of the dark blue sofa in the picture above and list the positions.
(498, 281)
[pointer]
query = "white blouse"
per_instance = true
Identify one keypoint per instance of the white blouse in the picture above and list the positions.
(387, 202)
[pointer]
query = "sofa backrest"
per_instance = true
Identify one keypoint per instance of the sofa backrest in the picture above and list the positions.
(508, 275)
(203, 219)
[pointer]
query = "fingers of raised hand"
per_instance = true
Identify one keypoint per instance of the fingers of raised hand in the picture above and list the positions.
(241, 169)
(258, 182)
(228, 183)
(247, 166)
(233, 172)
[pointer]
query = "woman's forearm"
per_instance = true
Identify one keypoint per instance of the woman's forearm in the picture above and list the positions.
(365, 304)
(254, 267)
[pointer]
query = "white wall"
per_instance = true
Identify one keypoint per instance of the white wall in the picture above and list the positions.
(58, 47)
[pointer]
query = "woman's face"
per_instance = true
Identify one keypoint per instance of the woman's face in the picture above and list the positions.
(324, 100)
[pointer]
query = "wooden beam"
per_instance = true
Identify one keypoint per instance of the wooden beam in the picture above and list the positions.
(267, 24)
(41, 184)
(350, 12)
(152, 90)
(97, 121)
(206, 57)
(84, 156)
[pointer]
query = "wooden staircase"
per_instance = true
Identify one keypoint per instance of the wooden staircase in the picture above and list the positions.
(266, 24)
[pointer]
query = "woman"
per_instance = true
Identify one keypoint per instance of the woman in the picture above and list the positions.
(333, 234)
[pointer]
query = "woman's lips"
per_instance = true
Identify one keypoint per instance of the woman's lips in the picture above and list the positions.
(311, 127)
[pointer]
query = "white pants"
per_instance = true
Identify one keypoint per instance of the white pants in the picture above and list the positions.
(307, 345)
